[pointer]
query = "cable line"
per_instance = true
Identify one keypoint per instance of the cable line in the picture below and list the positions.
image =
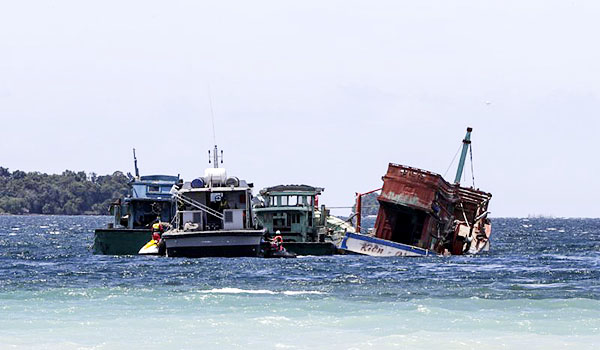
(453, 159)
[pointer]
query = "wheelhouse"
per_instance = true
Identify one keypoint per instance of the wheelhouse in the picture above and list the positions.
(290, 209)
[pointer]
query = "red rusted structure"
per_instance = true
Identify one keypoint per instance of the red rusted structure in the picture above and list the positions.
(421, 213)
(421, 209)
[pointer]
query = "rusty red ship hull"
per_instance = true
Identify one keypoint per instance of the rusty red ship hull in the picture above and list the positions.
(420, 213)
(419, 208)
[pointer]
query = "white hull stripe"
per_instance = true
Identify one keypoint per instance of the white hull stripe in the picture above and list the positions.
(373, 246)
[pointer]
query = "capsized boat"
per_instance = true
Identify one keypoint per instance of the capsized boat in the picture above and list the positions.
(421, 214)
(214, 217)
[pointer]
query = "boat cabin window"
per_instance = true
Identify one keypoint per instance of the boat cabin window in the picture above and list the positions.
(307, 200)
(281, 200)
(153, 188)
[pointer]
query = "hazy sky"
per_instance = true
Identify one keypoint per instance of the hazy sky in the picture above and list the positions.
(319, 92)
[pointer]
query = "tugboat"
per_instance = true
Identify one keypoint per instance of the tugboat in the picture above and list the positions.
(214, 217)
(149, 202)
(290, 211)
(420, 214)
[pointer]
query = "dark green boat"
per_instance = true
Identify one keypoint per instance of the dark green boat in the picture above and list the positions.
(291, 212)
(149, 201)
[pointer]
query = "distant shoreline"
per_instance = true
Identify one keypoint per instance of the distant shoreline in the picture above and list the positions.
(492, 218)
(69, 193)
(23, 215)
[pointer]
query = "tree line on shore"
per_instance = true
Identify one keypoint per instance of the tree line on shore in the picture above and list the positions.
(77, 193)
(69, 193)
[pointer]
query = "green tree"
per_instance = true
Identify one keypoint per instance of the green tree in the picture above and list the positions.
(67, 193)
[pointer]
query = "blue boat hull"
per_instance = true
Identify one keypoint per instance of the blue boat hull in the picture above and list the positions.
(368, 245)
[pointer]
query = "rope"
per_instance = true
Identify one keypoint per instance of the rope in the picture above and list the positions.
(472, 173)
(453, 159)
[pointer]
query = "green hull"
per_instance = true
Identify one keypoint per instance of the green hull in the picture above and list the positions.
(310, 248)
(120, 241)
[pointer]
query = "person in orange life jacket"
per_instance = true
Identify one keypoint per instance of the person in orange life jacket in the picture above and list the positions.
(277, 242)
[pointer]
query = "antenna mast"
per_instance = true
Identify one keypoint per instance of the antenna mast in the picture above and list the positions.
(463, 156)
(137, 171)
(212, 116)
(216, 157)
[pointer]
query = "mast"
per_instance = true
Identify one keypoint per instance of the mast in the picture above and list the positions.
(216, 157)
(137, 171)
(463, 156)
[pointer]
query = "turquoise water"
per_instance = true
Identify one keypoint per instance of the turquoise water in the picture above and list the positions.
(538, 288)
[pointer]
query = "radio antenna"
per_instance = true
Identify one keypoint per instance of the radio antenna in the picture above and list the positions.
(216, 157)
(212, 115)
(137, 171)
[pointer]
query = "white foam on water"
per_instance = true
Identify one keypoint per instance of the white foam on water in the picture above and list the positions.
(423, 309)
(236, 291)
(272, 320)
(257, 291)
(301, 292)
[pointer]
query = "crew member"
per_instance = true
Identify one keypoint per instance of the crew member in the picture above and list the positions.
(157, 231)
(277, 241)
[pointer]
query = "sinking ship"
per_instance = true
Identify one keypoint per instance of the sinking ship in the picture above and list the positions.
(422, 214)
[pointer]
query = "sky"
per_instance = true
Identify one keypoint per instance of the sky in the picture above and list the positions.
(325, 93)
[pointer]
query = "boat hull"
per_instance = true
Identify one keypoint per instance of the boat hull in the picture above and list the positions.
(120, 241)
(224, 243)
(368, 245)
(310, 248)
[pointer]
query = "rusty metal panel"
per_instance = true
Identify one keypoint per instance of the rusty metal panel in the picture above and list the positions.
(414, 188)
(445, 205)
(383, 228)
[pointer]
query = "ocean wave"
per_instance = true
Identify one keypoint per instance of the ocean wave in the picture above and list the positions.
(301, 292)
(257, 291)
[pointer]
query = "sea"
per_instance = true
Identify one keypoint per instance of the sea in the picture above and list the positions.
(537, 288)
